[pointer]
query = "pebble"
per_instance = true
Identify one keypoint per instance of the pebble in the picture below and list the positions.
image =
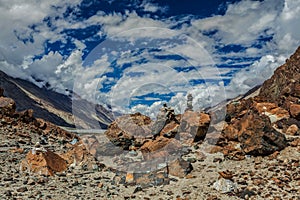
(22, 189)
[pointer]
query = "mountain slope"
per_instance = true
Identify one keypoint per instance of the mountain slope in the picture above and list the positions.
(52, 106)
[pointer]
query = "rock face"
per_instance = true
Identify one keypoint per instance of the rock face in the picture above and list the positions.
(253, 129)
(259, 123)
(283, 87)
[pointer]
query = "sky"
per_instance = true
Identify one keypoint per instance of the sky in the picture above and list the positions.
(135, 55)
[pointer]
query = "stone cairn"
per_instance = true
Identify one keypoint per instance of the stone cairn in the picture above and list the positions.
(189, 103)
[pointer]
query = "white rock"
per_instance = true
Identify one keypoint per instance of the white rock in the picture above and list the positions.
(224, 185)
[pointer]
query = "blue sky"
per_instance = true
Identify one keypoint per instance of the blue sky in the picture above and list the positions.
(135, 55)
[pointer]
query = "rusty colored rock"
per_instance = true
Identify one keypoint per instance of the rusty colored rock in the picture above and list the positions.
(259, 137)
(274, 112)
(161, 143)
(255, 134)
(292, 130)
(170, 130)
(226, 174)
(295, 111)
(43, 162)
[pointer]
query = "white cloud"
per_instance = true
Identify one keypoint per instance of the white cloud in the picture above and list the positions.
(151, 7)
(242, 24)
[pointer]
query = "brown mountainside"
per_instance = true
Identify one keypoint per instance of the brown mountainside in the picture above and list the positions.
(52, 106)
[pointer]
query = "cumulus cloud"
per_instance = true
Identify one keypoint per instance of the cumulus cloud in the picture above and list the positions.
(177, 55)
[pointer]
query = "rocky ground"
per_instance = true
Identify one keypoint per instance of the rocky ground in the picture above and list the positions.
(250, 152)
(274, 177)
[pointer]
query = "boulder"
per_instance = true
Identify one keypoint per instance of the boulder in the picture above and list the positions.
(257, 136)
(129, 129)
(215, 138)
(155, 145)
(194, 123)
(43, 162)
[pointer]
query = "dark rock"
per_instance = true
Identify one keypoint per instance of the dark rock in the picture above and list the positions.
(1, 92)
(246, 193)
(22, 189)
(137, 189)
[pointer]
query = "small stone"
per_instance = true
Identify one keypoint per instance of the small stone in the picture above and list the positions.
(292, 130)
(137, 189)
(30, 182)
(100, 185)
(192, 160)
(226, 174)
(22, 189)
(8, 193)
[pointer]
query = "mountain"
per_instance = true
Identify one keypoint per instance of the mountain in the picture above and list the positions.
(258, 146)
(54, 107)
